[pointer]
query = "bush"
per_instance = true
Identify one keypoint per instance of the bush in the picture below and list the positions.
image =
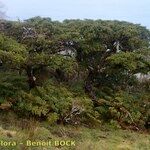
(55, 103)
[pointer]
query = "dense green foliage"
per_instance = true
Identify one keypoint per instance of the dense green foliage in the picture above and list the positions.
(76, 71)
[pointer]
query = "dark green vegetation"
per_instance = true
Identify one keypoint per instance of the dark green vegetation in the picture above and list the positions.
(76, 72)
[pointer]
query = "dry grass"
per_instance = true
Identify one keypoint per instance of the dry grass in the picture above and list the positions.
(103, 138)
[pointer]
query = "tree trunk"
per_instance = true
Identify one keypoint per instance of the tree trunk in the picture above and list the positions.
(31, 78)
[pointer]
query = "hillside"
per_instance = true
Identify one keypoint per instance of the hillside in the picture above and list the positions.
(76, 79)
(105, 137)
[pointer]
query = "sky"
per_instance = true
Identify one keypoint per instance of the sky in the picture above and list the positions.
(136, 11)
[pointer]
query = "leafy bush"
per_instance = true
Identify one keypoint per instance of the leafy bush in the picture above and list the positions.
(11, 84)
(48, 101)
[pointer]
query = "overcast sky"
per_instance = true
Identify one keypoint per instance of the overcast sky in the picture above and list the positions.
(136, 11)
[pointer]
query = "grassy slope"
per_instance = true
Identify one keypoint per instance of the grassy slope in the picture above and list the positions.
(103, 138)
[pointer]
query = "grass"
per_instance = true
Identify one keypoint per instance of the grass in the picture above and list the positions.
(102, 138)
